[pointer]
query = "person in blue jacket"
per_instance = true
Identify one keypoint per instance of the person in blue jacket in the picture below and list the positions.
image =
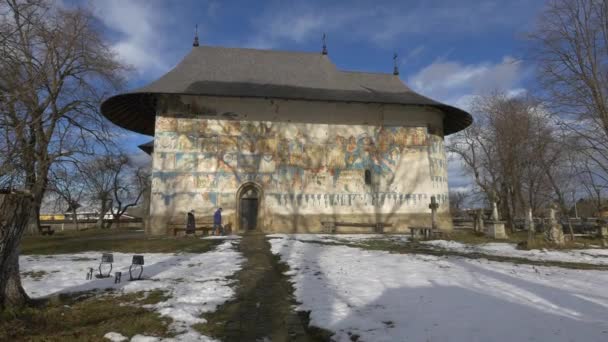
(217, 222)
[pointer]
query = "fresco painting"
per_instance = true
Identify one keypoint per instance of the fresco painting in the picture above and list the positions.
(212, 158)
(206, 162)
(187, 125)
(164, 161)
(166, 124)
(207, 144)
(186, 142)
(184, 161)
(165, 141)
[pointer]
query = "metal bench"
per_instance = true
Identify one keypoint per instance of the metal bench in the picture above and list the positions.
(330, 226)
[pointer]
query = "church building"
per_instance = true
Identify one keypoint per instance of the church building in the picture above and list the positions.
(285, 142)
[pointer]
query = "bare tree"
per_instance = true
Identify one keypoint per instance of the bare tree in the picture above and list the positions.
(99, 175)
(570, 45)
(55, 67)
(116, 184)
(457, 201)
(128, 186)
(514, 153)
(68, 185)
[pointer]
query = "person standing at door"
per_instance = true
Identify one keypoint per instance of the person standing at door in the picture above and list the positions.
(190, 223)
(217, 222)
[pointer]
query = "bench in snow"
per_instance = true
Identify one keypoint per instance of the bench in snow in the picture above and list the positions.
(330, 226)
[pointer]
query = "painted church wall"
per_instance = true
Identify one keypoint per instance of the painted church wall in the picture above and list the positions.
(308, 172)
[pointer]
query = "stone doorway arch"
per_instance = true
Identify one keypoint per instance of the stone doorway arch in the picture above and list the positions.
(249, 201)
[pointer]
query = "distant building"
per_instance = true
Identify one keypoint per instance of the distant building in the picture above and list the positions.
(52, 217)
(283, 141)
(81, 215)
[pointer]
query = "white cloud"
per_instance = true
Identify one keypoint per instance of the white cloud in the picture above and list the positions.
(383, 24)
(299, 24)
(456, 83)
(139, 26)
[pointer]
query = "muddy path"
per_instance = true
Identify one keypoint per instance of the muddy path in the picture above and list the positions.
(263, 306)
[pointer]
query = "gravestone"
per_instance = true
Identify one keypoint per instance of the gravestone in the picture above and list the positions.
(496, 228)
(495, 216)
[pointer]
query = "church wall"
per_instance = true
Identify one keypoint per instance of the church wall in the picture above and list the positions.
(310, 168)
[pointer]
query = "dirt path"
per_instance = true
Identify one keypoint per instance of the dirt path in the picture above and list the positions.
(263, 307)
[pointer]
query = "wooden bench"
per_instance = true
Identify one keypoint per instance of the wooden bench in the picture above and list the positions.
(330, 226)
(204, 229)
(427, 233)
(46, 230)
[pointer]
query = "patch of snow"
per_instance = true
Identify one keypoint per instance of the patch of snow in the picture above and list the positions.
(351, 238)
(115, 337)
(195, 283)
(395, 297)
(143, 338)
(222, 237)
(589, 256)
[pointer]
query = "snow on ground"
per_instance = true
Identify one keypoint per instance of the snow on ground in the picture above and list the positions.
(589, 256)
(351, 238)
(222, 237)
(115, 337)
(406, 297)
(196, 283)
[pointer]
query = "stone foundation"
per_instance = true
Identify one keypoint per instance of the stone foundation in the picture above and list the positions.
(496, 230)
(312, 223)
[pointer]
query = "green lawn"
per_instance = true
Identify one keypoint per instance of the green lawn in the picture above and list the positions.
(116, 240)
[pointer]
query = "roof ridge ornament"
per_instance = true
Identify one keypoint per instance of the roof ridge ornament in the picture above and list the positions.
(195, 43)
(395, 67)
(324, 51)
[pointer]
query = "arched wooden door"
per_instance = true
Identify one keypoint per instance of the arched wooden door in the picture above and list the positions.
(249, 207)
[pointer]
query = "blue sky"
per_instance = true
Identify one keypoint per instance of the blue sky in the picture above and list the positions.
(448, 50)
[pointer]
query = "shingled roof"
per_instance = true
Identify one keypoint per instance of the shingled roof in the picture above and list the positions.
(238, 72)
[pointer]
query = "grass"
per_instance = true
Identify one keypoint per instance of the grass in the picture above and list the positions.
(35, 275)
(116, 240)
(415, 247)
(89, 316)
(85, 317)
(521, 239)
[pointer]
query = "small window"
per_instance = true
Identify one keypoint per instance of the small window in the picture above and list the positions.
(368, 177)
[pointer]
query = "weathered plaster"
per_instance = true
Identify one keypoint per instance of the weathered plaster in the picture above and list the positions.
(311, 166)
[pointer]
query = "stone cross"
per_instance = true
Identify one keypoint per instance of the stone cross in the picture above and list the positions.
(433, 206)
(494, 212)
(551, 215)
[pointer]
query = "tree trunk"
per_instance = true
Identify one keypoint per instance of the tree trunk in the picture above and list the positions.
(99, 223)
(15, 210)
(33, 225)
(74, 218)
(571, 230)
(115, 220)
